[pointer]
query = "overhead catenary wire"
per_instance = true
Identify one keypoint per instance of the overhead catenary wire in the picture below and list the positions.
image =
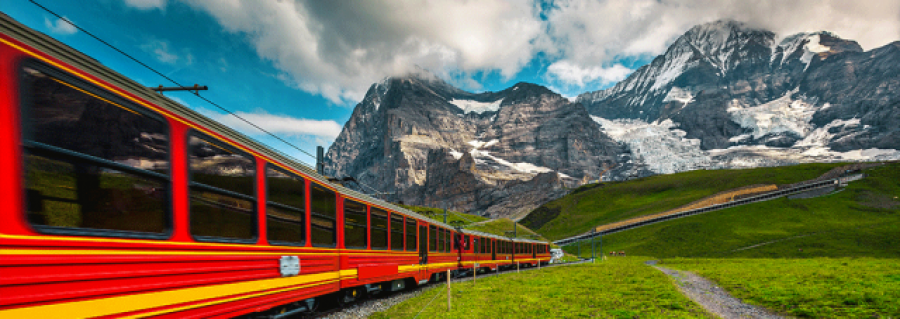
(170, 79)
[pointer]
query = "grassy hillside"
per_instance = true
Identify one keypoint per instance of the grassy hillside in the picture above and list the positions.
(502, 226)
(597, 204)
(861, 220)
(453, 218)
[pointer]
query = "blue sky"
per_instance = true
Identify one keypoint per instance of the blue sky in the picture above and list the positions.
(297, 68)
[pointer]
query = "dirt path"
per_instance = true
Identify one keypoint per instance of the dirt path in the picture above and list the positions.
(713, 298)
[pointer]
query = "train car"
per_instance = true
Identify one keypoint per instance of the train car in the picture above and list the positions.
(123, 203)
(482, 253)
(120, 202)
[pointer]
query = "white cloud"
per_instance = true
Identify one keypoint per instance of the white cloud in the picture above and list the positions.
(60, 26)
(337, 49)
(276, 124)
(588, 34)
(146, 4)
(573, 74)
(161, 51)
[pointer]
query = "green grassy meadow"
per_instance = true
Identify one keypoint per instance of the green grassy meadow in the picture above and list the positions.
(807, 288)
(620, 288)
(596, 204)
(860, 220)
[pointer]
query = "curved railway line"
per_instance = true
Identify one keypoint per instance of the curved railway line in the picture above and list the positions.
(652, 219)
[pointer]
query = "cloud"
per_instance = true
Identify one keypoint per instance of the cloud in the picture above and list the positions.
(276, 124)
(337, 48)
(146, 4)
(572, 74)
(588, 34)
(60, 26)
(161, 51)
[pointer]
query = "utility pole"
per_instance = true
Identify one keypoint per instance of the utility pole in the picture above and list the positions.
(578, 244)
(320, 160)
(592, 245)
(445, 213)
(515, 229)
(601, 247)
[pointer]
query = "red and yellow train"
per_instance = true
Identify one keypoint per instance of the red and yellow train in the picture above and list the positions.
(119, 202)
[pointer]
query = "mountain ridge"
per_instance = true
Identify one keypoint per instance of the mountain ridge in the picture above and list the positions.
(723, 95)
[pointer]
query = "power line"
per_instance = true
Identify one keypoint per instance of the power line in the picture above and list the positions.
(170, 79)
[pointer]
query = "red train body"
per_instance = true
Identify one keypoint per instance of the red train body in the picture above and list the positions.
(119, 202)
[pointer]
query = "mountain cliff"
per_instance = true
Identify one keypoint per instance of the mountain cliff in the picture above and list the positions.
(424, 142)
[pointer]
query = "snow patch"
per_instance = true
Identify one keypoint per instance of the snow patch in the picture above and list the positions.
(661, 146)
(677, 94)
(481, 157)
(670, 70)
(455, 154)
(469, 106)
(782, 115)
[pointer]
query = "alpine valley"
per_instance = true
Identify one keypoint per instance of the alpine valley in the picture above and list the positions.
(724, 95)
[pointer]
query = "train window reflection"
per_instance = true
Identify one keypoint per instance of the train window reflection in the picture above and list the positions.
(285, 208)
(410, 234)
(355, 230)
(323, 207)
(94, 163)
(222, 190)
(396, 232)
(379, 229)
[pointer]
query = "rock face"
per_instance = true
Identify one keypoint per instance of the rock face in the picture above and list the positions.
(723, 95)
(752, 100)
(502, 153)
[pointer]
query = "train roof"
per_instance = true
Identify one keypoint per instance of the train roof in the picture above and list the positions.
(85, 63)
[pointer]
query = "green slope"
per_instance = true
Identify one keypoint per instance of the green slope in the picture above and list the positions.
(597, 204)
(861, 220)
(453, 218)
(504, 227)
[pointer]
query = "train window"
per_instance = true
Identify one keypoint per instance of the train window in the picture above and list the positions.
(379, 229)
(396, 231)
(440, 246)
(355, 221)
(447, 236)
(285, 207)
(410, 234)
(221, 190)
(476, 249)
(323, 216)
(451, 238)
(466, 242)
(432, 238)
(94, 163)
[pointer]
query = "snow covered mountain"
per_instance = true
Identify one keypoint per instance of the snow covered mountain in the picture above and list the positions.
(728, 95)
(723, 95)
(428, 143)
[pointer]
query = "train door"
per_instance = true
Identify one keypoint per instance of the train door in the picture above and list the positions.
(423, 245)
(533, 250)
(493, 250)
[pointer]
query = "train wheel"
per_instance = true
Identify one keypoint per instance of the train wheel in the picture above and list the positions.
(349, 295)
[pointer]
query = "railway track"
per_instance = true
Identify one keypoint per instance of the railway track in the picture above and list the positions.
(642, 221)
